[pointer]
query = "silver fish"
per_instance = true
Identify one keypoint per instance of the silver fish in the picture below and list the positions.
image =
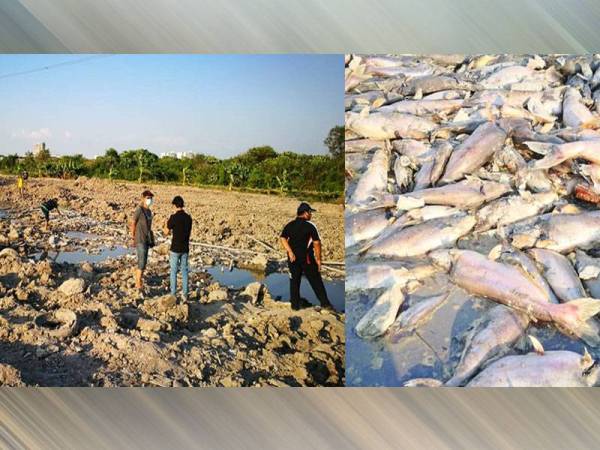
(422, 238)
(507, 285)
(555, 368)
(474, 152)
(500, 329)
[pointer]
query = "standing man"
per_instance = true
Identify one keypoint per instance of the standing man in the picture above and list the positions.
(20, 182)
(143, 238)
(180, 224)
(302, 242)
(46, 207)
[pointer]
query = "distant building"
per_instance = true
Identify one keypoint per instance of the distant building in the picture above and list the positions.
(177, 155)
(39, 148)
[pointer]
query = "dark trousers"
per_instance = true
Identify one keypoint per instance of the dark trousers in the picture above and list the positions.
(313, 276)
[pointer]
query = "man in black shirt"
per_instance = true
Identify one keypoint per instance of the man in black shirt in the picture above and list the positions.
(302, 242)
(48, 206)
(180, 224)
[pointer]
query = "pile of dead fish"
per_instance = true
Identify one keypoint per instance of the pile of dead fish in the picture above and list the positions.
(443, 151)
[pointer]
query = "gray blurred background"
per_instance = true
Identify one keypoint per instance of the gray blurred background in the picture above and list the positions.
(299, 418)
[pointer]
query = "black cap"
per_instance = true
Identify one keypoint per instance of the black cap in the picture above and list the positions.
(304, 207)
(147, 194)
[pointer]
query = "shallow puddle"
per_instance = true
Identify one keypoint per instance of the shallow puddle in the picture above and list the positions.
(279, 285)
(78, 256)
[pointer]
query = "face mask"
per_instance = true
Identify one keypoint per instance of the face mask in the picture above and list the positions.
(149, 202)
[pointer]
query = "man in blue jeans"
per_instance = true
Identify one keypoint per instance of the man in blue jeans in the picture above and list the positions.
(180, 224)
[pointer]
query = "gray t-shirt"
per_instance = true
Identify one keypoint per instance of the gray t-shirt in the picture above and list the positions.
(142, 227)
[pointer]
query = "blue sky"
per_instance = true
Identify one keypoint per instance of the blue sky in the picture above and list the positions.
(213, 104)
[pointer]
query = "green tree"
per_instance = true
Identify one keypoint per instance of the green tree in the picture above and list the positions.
(335, 141)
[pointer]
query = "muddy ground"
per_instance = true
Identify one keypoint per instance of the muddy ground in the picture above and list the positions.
(77, 321)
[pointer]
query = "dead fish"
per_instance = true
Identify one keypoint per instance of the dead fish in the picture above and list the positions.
(422, 238)
(507, 285)
(511, 209)
(382, 314)
(555, 368)
(510, 255)
(385, 275)
(465, 194)
(423, 107)
(374, 180)
(364, 225)
(560, 274)
(447, 95)
(412, 217)
(500, 328)
(564, 232)
(423, 176)
(408, 71)
(474, 152)
(363, 145)
(430, 84)
(417, 151)
(403, 172)
(390, 125)
(588, 150)
(417, 314)
(588, 269)
(575, 113)
(443, 151)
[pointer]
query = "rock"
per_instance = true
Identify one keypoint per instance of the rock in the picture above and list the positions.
(210, 333)
(72, 286)
(60, 323)
(258, 263)
(21, 294)
(53, 240)
(218, 295)
(164, 303)
(148, 325)
(9, 253)
(10, 376)
(254, 292)
(87, 267)
(13, 235)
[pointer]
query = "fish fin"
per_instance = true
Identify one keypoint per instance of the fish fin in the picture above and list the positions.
(537, 345)
(406, 202)
(541, 148)
(495, 253)
(586, 359)
(592, 124)
(378, 102)
(423, 382)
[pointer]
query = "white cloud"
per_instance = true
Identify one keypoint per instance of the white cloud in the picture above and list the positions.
(35, 135)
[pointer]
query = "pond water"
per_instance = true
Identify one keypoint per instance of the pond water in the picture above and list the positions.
(279, 285)
(79, 256)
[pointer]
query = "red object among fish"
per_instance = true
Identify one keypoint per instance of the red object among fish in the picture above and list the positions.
(584, 193)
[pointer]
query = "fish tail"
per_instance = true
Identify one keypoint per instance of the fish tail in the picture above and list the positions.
(576, 317)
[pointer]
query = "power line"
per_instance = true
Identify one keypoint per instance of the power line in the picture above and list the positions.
(52, 66)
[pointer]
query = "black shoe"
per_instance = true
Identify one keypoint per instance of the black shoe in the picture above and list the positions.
(305, 304)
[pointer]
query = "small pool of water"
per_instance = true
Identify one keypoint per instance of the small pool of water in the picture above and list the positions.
(82, 236)
(279, 285)
(78, 256)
